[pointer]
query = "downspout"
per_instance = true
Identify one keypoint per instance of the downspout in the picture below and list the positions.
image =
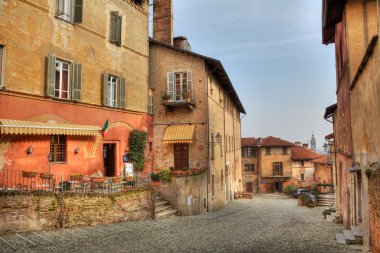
(207, 139)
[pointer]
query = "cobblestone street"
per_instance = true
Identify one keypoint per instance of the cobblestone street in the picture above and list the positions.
(268, 223)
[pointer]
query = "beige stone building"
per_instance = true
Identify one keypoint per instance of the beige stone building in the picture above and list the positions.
(66, 67)
(249, 163)
(196, 121)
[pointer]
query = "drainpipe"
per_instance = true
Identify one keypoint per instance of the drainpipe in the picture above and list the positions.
(207, 140)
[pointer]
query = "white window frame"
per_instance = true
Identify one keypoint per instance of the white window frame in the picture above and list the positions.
(182, 74)
(113, 82)
(68, 10)
(60, 66)
(2, 73)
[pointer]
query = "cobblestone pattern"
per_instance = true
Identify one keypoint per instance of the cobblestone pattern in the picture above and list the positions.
(268, 223)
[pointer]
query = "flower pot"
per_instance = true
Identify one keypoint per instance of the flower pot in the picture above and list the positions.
(76, 177)
(29, 174)
(98, 179)
(46, 176)
(116, 180)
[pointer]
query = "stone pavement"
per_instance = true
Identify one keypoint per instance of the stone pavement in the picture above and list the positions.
(268, 223)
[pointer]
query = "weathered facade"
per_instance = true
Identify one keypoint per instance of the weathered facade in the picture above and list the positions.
(249, 163)
(323, 174)
(354, 28)
(67, 67)
(196, 121)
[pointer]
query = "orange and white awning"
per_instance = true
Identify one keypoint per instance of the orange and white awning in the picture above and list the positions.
(8, 126)
(179, 134)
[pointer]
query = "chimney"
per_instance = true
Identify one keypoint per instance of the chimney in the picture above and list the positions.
(163, 21)
(305, 145)
(182, 43)
(298, 144)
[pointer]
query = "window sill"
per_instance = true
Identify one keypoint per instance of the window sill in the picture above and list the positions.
(64, 20)
(58, 163)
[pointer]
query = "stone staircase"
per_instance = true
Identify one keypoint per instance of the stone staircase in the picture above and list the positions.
(353, 237)
(162, 208)
(326, 200)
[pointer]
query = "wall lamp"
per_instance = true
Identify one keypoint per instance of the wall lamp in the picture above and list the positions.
(218, 138)
(29, 150)
(77, 150)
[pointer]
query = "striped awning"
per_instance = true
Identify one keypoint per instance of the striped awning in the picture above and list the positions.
(8, 126)
(179, 134)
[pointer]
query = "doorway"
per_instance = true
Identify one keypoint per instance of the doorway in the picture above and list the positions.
(249, 187)
(278, 187)
(181, 156)
(109, 160)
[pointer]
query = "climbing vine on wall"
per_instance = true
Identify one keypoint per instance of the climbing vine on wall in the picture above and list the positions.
(137, 146)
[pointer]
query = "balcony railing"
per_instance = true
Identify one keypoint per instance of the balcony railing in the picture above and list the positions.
(186, 99)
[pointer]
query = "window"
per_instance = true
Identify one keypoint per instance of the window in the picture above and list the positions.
(113, 91)
(115, 28)
(277, 169)
(302, 163)
(213, 185)
(2, 65)
(268, 151)
(284, 150)
(58, 148)
(212, 147)
(70, 10)
(249, 167)
(221, 178)
(179, 85)
(302, 177)
(150, 104)
(249, 151)
(64, 79)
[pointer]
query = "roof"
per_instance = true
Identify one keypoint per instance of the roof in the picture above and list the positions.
(217, 69)
(247, 142)
(321, 160)
(332, 12)
(329, 136)
(271, 141)
(301, 153)
(330, 111)
(8, 126)
(179, 134)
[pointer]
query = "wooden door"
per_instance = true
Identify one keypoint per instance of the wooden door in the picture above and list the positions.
(249, 187)
(181, 156)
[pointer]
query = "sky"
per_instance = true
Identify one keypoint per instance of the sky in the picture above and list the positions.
(273, 54)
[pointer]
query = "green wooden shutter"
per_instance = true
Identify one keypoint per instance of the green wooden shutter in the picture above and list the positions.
(50, 75)
(60, 7)
(114, 27)
(171, 91)
(78, 11)
(76, 88)
(106, 90)
(119, 22)
(121, 101)
(190, 84)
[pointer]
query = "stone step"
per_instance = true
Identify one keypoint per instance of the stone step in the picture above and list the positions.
(356, 231)
(340, 238)
(348, 235)
(160, 203)
(162, 208)
(160, 198)
(325, 204)
(166, 213)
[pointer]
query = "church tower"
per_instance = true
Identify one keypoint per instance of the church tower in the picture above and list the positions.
(313, 143)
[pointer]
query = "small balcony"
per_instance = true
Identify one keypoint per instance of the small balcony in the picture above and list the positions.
(186, 99)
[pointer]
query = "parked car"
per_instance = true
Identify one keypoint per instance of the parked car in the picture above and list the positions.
(299, 192)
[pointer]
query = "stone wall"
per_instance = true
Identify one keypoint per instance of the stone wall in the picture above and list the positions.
(20, 212)
(374, 209)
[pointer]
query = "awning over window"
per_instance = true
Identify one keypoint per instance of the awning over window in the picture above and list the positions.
(8, 126)
(179, 134)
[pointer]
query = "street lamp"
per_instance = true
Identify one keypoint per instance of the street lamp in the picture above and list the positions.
(325, 147)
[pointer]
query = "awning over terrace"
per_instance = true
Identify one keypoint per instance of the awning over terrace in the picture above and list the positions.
(179, 134)
(8, 126)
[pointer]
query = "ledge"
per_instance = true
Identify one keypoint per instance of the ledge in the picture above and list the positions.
(191, 172)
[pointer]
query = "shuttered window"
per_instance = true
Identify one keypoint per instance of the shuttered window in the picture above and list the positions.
(277, 169)
(70, 10)
(113, 91)
(2, 65)
(64, 79)
(180, 86)
(150, 104)
(115, 28)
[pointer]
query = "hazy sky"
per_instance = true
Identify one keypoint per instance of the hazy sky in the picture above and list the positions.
(272, 51)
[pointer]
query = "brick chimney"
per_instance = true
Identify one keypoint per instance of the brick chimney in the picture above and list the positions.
(305, 145)
(163, 21)
(182, 43)
(298, 144)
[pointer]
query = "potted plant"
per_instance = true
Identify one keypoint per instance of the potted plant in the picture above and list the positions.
(76, 177)
(98, 179)
(186, 96)
(166, 98)
(116, 180)
(46, 176)
(29, 174)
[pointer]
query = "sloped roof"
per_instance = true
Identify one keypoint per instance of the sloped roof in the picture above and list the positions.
(301, 153)
(217, 70)
(330, 111)
(271, 141)
(248, 142)
(321, 160)
(332, 11)
(329, 136)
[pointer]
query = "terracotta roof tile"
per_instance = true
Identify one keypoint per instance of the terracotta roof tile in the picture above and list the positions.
(248, 142)
(275, 142)
(321, 160)
(301, 153)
